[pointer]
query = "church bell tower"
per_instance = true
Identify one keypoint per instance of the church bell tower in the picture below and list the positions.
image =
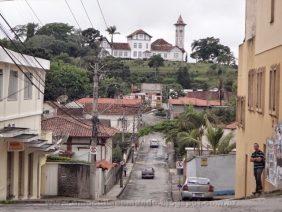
(180, 33)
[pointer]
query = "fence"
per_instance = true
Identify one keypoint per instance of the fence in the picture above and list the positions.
(112, 178)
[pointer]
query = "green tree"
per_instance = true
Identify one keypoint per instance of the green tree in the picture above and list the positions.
(65, 79)
(183, 77)
(112, 31)
(59, 31)
(156, 61)
(26, 31)
(210, 50)
(220, 144)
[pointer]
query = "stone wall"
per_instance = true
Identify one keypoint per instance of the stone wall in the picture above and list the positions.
(73, 180)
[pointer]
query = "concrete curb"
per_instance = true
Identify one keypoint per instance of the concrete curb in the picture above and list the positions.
(126, 183)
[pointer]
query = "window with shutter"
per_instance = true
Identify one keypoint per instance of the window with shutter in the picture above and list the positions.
(274, 90)
(260, 87)
(13, 86)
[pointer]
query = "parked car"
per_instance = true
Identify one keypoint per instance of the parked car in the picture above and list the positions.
(197, 188)
(148, 173)
(154, 143)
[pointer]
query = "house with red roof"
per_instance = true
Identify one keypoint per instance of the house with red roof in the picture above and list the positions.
(178, 106)
(121, 114)
(139, 45)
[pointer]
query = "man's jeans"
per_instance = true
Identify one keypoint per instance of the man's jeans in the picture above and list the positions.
(258, 173)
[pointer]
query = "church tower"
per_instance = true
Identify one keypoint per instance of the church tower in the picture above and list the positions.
(180, 33)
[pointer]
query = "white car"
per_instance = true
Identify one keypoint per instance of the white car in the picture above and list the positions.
(154, 143)
(197, 188)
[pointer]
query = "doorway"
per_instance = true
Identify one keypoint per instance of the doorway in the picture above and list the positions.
(10, 175)
(30, 174)
(21, 174)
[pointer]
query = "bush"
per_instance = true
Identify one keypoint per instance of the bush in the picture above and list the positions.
(117, 154)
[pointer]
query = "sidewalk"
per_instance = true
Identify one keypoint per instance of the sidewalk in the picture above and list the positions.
(116, 191)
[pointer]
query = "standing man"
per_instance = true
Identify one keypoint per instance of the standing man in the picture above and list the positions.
(259, 162)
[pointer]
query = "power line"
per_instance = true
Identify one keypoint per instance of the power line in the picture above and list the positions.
(18, 38)
(88, 17)
(72, 14)
(34, 13)
(23, 56)
(101, 11)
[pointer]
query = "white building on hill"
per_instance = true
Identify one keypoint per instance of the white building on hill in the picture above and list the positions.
(140, 46)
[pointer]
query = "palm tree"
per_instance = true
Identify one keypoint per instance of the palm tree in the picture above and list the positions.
(191, 119)
(220, 143)
(192, 139)
(112, 30)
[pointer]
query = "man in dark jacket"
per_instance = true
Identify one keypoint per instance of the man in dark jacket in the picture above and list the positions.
(259, 163)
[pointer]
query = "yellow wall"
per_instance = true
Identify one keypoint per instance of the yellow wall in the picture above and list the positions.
(263, 50)
(38, 162)
(258, 127)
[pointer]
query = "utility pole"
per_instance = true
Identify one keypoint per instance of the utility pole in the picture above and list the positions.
(94, 138)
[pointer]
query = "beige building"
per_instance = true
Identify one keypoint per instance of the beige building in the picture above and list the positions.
(259, 107)
(22, 149)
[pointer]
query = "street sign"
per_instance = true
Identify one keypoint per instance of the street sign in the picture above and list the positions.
(93, 150)
(179, 165)
(204, 161)
(15, 146)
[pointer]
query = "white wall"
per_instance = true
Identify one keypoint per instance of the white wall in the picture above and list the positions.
(22, 111)
(81, 151)
(122, 53)
(139, 45)
(220, 170)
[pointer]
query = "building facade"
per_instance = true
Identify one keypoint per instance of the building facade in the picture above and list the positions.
(139, 45)
(22, 147)
(259, 92)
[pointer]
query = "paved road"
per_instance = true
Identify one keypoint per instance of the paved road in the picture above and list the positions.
(261, 204)
(149, 189)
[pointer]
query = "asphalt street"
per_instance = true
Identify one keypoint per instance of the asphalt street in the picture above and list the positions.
(149, 189)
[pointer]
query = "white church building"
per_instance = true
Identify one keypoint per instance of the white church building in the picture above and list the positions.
(140, 46)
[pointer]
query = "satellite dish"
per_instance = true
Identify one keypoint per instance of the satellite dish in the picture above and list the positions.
(62, 99)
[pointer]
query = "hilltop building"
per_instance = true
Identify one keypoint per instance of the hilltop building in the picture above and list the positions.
(139, 45)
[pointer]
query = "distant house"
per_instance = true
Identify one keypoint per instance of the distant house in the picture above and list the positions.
(178, 106)
(209, 95)
(139, 45)
(123, 114)
(153, 92)
(79, 137)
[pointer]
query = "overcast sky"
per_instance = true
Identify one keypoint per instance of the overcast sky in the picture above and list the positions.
(223, 19)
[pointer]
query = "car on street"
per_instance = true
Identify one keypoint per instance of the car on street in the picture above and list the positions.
(148, 173)
(197, 188)
(154, 143)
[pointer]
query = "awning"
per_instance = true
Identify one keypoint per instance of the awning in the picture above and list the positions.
(104, 164)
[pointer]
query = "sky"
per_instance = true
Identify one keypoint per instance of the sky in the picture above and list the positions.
(222, 19)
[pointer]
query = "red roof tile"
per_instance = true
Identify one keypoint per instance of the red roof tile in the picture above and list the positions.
(111, 101)
(137, 32)
(161, 45)
(113, 109)
(121, 46)
(193, 102)
(61, 125)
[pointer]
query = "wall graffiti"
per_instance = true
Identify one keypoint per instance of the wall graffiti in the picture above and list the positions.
(274, 158)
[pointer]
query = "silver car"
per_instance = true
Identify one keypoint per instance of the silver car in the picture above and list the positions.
(197, 188)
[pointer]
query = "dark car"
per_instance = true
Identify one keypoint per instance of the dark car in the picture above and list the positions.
(148, 173)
